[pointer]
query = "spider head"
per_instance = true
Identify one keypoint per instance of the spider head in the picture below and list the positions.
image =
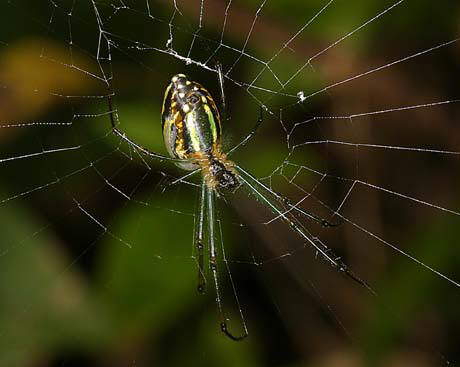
(223, 174)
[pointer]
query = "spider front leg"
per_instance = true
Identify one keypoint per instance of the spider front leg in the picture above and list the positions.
(210, 196)
(323, 222)
(220, 77)
(223, 111)
(272, 200)
(124, 137)
(251, 134)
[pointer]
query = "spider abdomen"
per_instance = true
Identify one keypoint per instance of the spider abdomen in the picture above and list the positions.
(191, 121)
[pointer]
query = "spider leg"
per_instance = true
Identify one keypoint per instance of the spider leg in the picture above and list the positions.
(221, 77)
(181, 179)
(325, 223)
(286, 202)
(199, 239)
(124, 137)
(210, 193)
(321, 249)
(251, 134)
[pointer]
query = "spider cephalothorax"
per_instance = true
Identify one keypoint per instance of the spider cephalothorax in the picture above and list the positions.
(219, 172)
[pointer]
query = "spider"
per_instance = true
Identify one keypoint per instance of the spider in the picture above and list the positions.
(192, 131)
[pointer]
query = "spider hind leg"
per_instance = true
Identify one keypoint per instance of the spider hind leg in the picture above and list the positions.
(211, 219)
